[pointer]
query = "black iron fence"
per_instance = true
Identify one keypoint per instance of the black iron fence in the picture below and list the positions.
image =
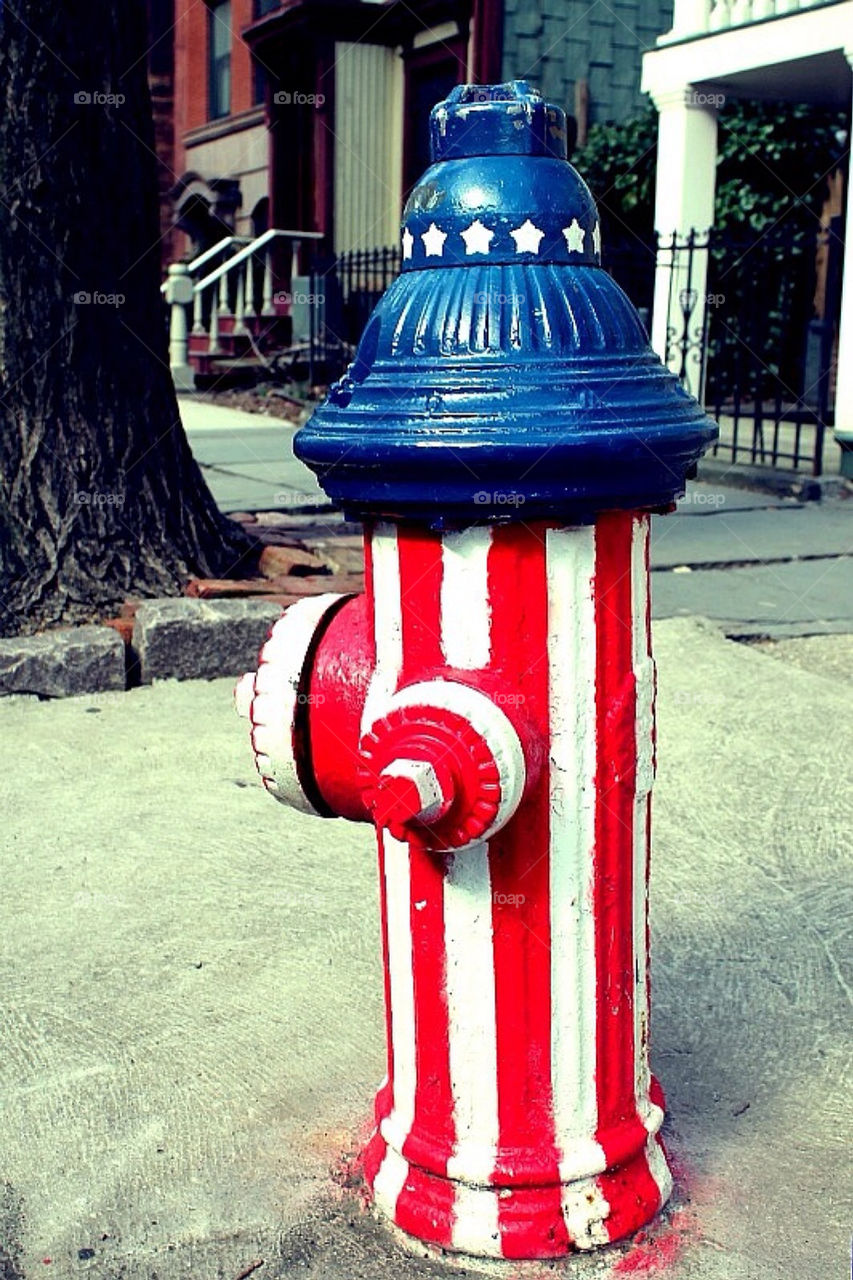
(343, 292)
(751, 327)
(362, 275)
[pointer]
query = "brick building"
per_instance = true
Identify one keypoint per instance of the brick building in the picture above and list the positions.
(161, 81)
(311, 114)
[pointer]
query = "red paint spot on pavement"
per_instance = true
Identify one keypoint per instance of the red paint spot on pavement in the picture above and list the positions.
(652, 1253)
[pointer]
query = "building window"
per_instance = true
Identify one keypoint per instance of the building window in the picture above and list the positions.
(219, 59)
(259, 82)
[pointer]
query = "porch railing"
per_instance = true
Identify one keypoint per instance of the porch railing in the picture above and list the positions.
(702, 17)
(231, 286)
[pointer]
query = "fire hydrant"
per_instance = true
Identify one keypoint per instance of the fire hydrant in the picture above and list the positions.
(504, 433)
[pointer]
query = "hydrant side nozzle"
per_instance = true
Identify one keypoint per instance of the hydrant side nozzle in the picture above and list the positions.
(277, 707)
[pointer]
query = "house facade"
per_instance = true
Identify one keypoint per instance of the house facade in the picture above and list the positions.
(312, 114)
(780, 50)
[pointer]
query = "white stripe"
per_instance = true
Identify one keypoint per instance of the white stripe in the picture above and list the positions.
(585, 1213)
(395, 1127)
(389, 1181)
(570, 568)
(387, 623)
(645, 692)
(644, 671)
(476, 1227)
(471, 1014)
(465, 606)
(388, 633)
(659, 1169)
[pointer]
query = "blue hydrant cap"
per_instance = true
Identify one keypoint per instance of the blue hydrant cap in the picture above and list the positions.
(509, 211)
(504, 375)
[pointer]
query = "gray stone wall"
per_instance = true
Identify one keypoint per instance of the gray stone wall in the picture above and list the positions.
(554, 43)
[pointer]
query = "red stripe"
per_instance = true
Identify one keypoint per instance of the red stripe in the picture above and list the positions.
(519, 865)
(374, 1154)
(633, 1196)
(614, 821)
(432, 1136)
(420, 597)
(431, 1140)
(425, 1207)
(630, 1189)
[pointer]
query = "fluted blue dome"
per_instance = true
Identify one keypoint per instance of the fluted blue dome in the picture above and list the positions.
(504, 374)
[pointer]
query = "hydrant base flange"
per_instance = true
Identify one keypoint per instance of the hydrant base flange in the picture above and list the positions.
(520, 1223)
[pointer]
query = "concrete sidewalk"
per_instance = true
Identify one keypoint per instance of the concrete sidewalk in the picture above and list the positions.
(247, 459)
(191, 990)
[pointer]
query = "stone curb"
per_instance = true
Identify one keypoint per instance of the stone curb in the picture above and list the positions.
(58, 664)
(181, 639)
(189, 639)
(784, 484)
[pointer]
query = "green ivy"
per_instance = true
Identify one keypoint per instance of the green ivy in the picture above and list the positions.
(773, 163)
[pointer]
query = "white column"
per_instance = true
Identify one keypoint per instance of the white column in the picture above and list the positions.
(240, 304)
(250, 287)
(684, 201)
(198, 312)
(844, 375)
(268, 308)
(179, 295)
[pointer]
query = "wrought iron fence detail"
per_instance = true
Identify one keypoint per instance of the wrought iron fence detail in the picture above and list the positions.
(751, 325)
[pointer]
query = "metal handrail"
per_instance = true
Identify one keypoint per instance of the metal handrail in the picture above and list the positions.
(251, 249)
(215, 249)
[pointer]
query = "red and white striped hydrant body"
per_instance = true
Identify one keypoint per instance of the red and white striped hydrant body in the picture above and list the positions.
(489, 705)
(518, 1119)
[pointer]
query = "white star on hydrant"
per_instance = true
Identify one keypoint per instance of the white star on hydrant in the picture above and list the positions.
(477, 237)
(527, 238)
(596, 239)
(434, 241)
(575, 235)
(408, 242)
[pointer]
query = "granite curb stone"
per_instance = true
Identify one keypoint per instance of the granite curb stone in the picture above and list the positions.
(784, 484)
(200, 639)
(60, 663)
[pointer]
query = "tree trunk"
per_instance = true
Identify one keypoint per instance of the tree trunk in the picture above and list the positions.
(99, 494)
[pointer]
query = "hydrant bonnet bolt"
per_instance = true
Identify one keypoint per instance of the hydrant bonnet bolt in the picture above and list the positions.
(504, 433)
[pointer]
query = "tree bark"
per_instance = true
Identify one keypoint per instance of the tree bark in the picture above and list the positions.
(99, 494)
